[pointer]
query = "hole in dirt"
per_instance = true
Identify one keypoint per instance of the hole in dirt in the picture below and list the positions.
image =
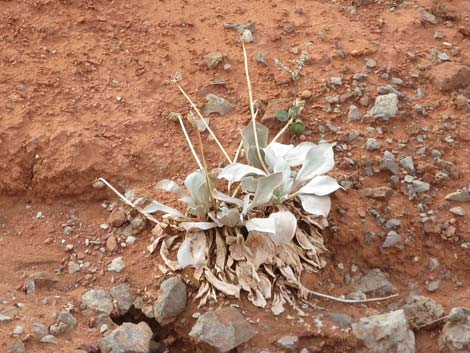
(164, 337)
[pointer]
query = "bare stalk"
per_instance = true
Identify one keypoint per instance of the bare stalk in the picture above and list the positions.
(279, 134)
(252, 110)
(129, 203)
(204, 164)
(204, 122)
(350, 301)
(191, 147)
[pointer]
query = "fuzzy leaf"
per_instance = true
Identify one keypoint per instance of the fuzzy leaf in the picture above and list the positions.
(192, 251)
(264, 189)
(316, 205)
(226, 288)
(320, 185)
(319, 160)
(249, 184)
(249, 142)
(297, 155)
(171, 186)
(229, 217)
(276, 151)
(197, 186)
(236, 171)
(227, 199)
(189, 226)
(281, 226)
(156, 206)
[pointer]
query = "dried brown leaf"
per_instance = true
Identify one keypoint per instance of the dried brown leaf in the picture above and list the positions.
(226, 288)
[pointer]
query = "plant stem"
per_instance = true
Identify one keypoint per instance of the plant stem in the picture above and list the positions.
(350, 301)
(279, 134)
(204, 122)
(129, 203)
(204, 164)
(252, 110)
(191, 147)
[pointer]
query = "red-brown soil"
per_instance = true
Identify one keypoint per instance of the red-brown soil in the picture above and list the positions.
(85, 91)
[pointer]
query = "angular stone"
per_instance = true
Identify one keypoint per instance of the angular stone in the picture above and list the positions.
(17, 347)
(374, 282)
(117, 217)
(386, 107)
(381, 193)
(98, 300)
(392, 239)
(216, 104)
(462, 195)
(274, 106)
(450, 76)
(8, 314)
(171, 300)
(353, 113)
(408, 164)
(213, 59)
(289, 342)
(117, 265)
(372, 144)
(422, 310)
(39, 330)
(455, 336)
(49, 339)
(386, 333)
(122, 296)
(222, 329)
(388, 162)
(127, 338)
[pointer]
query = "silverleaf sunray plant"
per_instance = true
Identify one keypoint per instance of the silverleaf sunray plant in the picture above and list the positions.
(261, 238)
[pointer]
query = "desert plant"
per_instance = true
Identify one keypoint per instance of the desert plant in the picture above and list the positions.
(261, 237)
(292, 115)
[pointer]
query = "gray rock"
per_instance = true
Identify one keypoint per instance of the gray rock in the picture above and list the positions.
(455, 336)
(19, 330)
(408, 164)
(8, 314)
(122, 296)
(288, 342)
(73, 267)
(388, 162)
(353, 113)
(381, 193)
(222, 329)
(171, 300)
(422, 310)
(392, 239)
(98, 300)
(371, 63)
(17, 347)
(462, 195)
(117, 264)
(260, 58)
(372, 144)
(337, 81)
(127, 338)
(433, 286)
(374, 282)
(386, 107)
(247, 36)
(458, 211)
(65, 322)
(216, 104)
(425, 16)
(213, 59)
(342, 320)
(420, 186)
(392, 223)
(386, 333)
(39, 330)
(135, 227)
(49, 339)
(388, 89)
